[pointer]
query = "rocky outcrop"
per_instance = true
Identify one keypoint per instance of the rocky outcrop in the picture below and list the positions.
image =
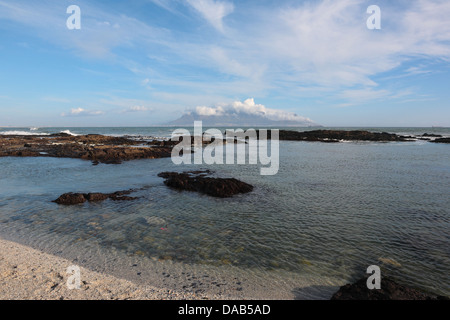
(96, 148)
(432, 135)
(77, 198)
(390, 290)
(199, 182)
(71, 198)
(337, 135)
(441, 140)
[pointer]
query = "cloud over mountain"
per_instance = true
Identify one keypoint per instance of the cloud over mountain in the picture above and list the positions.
(246, 113)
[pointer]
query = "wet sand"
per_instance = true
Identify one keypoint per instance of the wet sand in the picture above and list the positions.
(29, 274)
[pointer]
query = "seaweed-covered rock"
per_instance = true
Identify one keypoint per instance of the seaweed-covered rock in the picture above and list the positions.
(96, 196)
(197, 181)
(97, 148)
(77, 198)
(71, 198)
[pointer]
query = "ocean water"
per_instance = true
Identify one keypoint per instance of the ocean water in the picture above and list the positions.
(330, 212)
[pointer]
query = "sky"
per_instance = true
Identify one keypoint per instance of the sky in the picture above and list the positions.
(146, 62)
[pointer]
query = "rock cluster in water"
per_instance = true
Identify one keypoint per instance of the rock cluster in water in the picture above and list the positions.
(114, 150)
(199, 182)
(97, 148)
(77, 198)
(337, 135)
(390, 290)
(441, 140)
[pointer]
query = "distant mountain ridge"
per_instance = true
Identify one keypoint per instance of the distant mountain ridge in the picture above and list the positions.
(246, 114)
(238, 120)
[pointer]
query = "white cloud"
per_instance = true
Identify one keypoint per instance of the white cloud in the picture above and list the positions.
(80, 112)
(137, 109)
(101, 31)
(249, 107)
(327, 44)
(209, 111)
(167, 5)
(213, 11)
(285, 48)
(231, 65)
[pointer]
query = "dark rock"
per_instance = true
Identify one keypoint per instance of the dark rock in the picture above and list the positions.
(441, 140)
(61, 134)
(120, 193)
(76, 198)
(390, 290)
(432, 135)
(336, 136)
(122, 198)
(97, 196)
(96, 148)
(71, 198)
(216, 187)
(111, 161)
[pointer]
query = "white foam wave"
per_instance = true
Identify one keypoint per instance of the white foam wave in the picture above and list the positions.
(22, 133)
(70, 133)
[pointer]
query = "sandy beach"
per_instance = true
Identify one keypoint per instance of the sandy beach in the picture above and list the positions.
(28, 274)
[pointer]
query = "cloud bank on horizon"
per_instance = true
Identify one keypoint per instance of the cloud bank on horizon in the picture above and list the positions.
(147, 63)
(246, 113)
(249, 107)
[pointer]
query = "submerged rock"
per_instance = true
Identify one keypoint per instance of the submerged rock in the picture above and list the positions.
(77, 198)
(96, 196)
(121, 196)
(390, 290)
(199, 182)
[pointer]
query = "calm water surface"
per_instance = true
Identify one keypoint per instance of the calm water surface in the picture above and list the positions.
(331, 211)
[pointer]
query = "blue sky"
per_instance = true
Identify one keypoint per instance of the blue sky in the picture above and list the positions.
(146, 62)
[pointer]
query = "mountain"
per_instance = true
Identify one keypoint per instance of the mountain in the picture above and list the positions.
(238, 120)
(246, 114)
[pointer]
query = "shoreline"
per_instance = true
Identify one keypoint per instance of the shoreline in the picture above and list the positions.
(114, 150)
(30, 274)
(27, 273)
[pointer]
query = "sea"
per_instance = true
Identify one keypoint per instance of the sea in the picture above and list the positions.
(331, 211)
